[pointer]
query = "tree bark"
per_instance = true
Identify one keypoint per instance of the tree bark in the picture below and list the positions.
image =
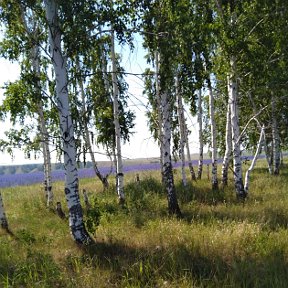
(47, 158)
(35, 57)
(119, 164)
(173, 207)
(228, 148)
(159, 114)
(275, 140)
(3, 218)
(199, 118)
(214, 178)
(182, 125)
(233, 101)
(76, 223)
(266, 151)
(44, 133)
(190, 164)
(248, 172)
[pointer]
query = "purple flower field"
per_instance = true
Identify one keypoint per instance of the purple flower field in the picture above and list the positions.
(37, 177)
(20, 179)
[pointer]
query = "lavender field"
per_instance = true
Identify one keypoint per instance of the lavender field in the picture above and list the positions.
(20, 179)
(58, 175)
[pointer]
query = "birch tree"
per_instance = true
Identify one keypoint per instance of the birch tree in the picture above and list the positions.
(76, 223)
(200, 134)
(228, 11)
(265, 72)
(119, 163)
(3, 218)
(275, 138)
(267, 154)
(166, 104)
(35, 57)
(233, 102)
(159, 112)
(156, 40)
(249, 170)
(86, 136)
(181, 121)
(22, 22)
(213, 137)
(228, 147)
(190, 164)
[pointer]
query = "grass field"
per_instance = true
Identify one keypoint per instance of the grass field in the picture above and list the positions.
(218, 243)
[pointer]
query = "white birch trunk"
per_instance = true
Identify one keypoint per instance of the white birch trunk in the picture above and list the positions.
(159, 108)
(76, 223)
(214, 178)
(44, 132)
(119, 164)
(190, 164)
(182, 126)
(35, 57)
(47, 158)
(267, 154)
(3, 218)
(233, 101)
(87, 135)
(228, 147)
(275, 140)
(248, 172)
(173, 207)
(104, 67)
(200, 125)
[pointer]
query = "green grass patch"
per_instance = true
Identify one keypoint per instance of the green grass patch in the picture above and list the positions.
(219, 242)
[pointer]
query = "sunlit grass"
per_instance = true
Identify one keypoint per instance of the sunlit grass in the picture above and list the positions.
(218, 243)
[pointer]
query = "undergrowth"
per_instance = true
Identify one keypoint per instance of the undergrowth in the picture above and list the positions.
(219, 242)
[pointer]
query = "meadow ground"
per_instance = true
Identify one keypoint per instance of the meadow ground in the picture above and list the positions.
(218, 243)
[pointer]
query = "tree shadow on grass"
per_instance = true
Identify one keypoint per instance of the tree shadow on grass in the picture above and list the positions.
(269, 218)
(203, 194)
(143, 267)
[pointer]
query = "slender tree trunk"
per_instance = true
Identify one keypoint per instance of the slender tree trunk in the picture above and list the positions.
(233, 100)
(115, 165)
(87, 135)
(35, 57)
(267, 154)
(213, 137)
(182, 126)
(159, 108)
(104, 66)
(281, 158)
(190, 164)
(199, 117)
(248, 172)
(47, 158)
(228, 148)
(173, 206)
(76, 223)
(275, 140)
(119, 168)
(3, 218)
(44, 132)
